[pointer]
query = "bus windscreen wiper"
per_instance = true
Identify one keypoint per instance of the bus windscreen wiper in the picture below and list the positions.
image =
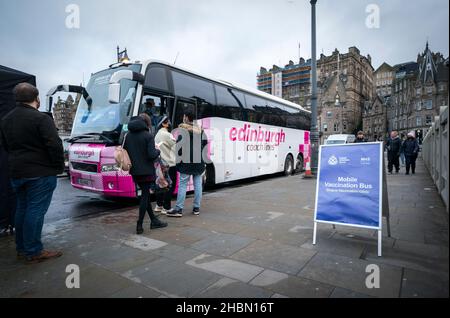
(99, 136)
(84, 136)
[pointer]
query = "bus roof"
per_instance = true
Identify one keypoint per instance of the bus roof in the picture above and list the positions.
(233, 85)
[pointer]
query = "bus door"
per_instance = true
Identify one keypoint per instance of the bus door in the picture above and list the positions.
(156, 106)
(181, 106)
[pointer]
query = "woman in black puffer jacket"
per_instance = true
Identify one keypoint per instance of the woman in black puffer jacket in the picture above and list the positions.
(140, 145)
(410, 148)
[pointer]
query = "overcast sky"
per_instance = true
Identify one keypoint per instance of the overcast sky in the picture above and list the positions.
(226, 39)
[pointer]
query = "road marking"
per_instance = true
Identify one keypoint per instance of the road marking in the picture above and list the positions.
(143, 243)
(298, 228)
(273, 215)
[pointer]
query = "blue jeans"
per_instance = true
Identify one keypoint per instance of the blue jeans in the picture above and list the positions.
(33, 199)
(182, 188)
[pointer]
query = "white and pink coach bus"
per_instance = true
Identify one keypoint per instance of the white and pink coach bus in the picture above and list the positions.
(250, 133)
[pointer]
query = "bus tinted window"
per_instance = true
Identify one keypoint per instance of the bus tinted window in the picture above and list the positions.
(156, 77)
(227, 104)
(276, 114)
(254, 109)
(193, 87)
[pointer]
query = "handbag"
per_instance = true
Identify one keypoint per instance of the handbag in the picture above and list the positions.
(163, 181)
(121, 156)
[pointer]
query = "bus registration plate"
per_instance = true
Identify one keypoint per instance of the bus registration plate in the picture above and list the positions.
(85, 182)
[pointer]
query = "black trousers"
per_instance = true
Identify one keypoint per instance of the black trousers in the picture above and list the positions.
(145, 205)
(393, 161)
(164, 199)
(411, 163)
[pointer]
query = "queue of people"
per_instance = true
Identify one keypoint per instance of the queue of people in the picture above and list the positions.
(183, 156)
(36, 157)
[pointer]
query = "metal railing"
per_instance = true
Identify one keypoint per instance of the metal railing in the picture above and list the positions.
(435, 153)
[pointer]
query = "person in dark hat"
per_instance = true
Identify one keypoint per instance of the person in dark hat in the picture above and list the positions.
(360, 137)
(166, 142)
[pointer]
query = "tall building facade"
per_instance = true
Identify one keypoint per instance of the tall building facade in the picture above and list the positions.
(383, 78)
(420, 89)
(64, 113)
(292, 82)
(375, 119)
(345, 83)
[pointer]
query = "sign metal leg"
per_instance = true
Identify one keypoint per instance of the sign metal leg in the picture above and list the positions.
(315, 233)
(380, 235)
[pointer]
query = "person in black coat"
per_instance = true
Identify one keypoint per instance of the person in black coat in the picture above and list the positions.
(140, 145)
(191, 161)
(35, 158)
(360, 138)
(393, 147)
(410, 148)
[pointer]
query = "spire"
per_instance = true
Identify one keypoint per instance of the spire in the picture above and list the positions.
(428, 67)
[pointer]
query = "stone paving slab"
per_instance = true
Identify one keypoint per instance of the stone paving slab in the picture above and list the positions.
(291, 286)
(222, 244)
(230, 288)
(350, 273)
(226, 267)
(423, 285)
(172, 278)
(276, 256)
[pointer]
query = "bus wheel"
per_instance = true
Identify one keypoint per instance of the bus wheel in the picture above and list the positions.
(209, 178)
(299, 165)
(288, 166)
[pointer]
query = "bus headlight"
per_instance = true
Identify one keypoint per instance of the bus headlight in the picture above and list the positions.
(110, 168)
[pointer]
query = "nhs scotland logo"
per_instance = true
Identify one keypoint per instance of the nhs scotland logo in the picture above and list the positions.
(333, 160)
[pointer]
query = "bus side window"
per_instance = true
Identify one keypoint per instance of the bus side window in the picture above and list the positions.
(227, 105)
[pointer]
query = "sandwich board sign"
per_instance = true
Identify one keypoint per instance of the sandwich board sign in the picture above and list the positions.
(351, 187)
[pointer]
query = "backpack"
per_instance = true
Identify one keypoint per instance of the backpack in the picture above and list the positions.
(121, 156)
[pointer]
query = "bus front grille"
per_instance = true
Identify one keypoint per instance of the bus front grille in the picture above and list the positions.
(87, 167)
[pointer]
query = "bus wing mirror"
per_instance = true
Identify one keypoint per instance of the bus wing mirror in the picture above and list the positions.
(114, 83)
(114, 93)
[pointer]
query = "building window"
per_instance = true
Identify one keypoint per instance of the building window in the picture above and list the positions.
(428, 120)
(442, 87)
(430, 90)
(419, 105)
(335, 127)
(418, 121)
(419, 91)
(329, 114)
(325, 127)
(429, 104)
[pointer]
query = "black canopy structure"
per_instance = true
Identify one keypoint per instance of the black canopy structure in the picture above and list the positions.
(8, 79)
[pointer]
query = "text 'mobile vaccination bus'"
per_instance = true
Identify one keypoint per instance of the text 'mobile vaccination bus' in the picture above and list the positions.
(250, 133)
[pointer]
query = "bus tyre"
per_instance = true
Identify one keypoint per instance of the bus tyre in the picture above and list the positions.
(299, 165)
(209, 176)
(288, 166)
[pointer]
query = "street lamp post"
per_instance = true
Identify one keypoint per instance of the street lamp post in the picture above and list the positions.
(314, 128)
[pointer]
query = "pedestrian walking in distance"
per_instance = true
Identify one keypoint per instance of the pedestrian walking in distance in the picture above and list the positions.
(191, 142)
(35, 158)
(410, 148)
(393, 147)
(402, 153)
(140, 145)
